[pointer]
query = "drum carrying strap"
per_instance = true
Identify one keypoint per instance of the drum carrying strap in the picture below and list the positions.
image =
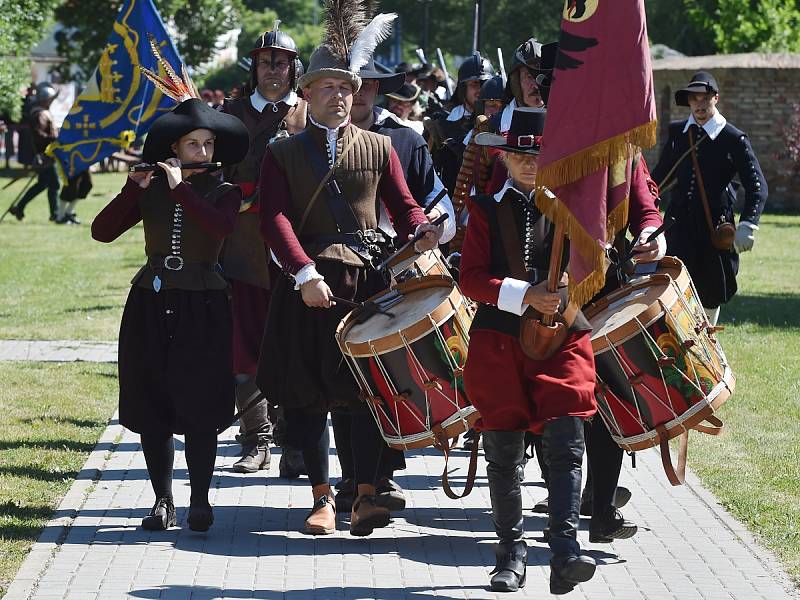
(677, 475)
(443, 443)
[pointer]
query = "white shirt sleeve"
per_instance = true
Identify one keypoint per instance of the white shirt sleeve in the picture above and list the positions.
(512, 296)
(446, 205)
(306, 274)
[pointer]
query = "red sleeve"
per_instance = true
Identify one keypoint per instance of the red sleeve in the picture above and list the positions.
(406, 214)
(119, 215)
(642, 208)
(276, 227)
(218, 220)
(476, 280)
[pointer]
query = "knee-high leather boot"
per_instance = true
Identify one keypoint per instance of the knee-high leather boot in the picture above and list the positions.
(504, 452)
(563, 445)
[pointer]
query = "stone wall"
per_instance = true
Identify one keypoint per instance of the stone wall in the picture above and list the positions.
(757, 92)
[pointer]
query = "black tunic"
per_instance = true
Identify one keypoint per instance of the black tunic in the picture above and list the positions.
(713, 271)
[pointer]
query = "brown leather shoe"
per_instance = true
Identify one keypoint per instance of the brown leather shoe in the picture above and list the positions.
(322, 520)
(367, 515)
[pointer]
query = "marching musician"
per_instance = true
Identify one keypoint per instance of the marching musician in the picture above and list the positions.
(424, 185)
(320, 217)
(704, 236)
(175, 365)
(271, 110)
(549, 397)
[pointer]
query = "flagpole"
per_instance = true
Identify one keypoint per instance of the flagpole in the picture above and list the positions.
(554, 275)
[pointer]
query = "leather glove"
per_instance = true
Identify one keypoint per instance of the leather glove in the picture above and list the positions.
(745, 237)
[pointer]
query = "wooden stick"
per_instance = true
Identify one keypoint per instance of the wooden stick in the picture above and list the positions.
(554, 275)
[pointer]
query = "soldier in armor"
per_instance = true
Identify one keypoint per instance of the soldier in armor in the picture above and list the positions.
(44, 132)
(271, 111)
(445, 132)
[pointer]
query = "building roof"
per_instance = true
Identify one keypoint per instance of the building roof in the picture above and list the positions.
(753, 60)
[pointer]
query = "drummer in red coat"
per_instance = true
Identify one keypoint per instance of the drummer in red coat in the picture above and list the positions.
(549, 397)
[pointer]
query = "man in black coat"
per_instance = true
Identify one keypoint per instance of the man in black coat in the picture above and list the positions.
(722, 151)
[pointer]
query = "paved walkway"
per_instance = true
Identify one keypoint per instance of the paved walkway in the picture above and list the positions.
(687, 547)
(58, 351)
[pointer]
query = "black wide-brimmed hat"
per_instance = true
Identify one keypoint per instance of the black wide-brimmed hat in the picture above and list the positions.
(524, 136)
(388, 82)
(231, 143)
(701, 83)
(408, 92)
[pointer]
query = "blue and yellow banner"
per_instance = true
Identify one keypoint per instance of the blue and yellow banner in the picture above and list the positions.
(119, 104)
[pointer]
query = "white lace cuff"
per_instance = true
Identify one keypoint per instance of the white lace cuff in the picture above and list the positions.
(306, 274)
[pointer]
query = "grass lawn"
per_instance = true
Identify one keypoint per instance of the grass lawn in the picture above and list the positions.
(51, 416)
(754, 468)
(56, 282)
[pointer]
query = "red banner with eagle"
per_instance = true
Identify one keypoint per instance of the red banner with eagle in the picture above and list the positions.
(601, 109)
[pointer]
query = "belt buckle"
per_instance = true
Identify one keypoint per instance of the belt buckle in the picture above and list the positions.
(178, 262)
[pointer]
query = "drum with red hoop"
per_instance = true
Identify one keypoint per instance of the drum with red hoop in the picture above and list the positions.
(409, 366)
(660, 368)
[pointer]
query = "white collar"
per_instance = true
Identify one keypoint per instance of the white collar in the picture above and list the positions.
(505, 118)
(381, 116)
(258, 101)
(458, 113)
(713, 127)
(509, 185)
(331, 135)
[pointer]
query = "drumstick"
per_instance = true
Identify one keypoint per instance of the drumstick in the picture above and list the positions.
(669, 221)
(364, 306)
(436, 201)
(144, 167)
(437, 221)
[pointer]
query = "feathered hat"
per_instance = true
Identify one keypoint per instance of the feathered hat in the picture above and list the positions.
(232, 140)
(349, 43)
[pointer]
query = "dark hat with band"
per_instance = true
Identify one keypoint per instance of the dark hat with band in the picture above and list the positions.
(408, 92)
(231, 143)
(388, 82)
(702, 83)
(524, 136)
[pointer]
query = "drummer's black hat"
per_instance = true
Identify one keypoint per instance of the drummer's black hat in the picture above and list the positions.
(231, 143)
(702, 82)
(387, 82)
(524, 136)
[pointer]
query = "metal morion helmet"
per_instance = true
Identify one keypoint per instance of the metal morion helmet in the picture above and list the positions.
(475, 68)
(492, 89)
(45, 91)
(274, 40)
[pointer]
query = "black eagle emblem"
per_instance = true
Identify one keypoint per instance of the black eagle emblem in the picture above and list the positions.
(569, 43)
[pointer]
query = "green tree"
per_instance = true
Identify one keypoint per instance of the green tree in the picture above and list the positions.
(88, 22)
(747, 25)
(23, 23)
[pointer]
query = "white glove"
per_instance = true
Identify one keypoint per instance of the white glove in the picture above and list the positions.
(652, 252)
(745, 237)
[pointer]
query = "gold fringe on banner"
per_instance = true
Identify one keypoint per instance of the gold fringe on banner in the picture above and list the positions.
(600, 155)
(572, 168)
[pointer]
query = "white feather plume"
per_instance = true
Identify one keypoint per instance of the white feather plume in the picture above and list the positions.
(362, 49)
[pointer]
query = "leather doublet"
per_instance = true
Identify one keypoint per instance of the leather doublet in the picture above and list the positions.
(358, 176)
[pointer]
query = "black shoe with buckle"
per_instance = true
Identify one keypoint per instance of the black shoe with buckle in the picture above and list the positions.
(509, 571)
(542, 507)
(390, 495)
(200, 517)
(604, 529)
(162, 516)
